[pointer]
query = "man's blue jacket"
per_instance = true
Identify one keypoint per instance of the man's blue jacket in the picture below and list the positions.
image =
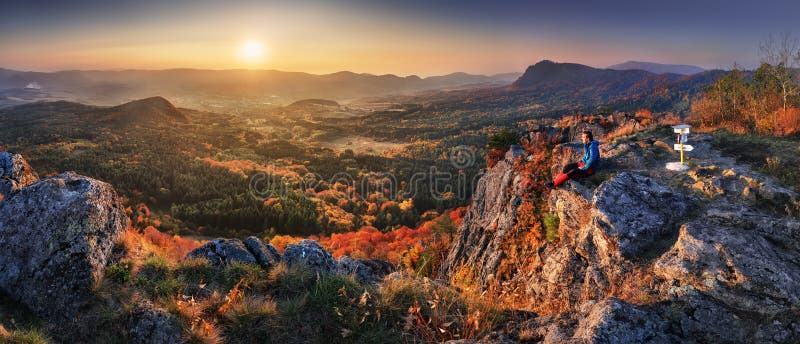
(591, 156)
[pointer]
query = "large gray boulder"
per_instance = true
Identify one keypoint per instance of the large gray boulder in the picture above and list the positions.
(636, 211)
(365, 271)
(221, 252)
(265, 254)
(15, 174)
(56, 238)
(310, 254)
(606, 321)
(252, 250)
(738, 256)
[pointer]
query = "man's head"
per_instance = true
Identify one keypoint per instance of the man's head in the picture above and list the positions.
(587, 136)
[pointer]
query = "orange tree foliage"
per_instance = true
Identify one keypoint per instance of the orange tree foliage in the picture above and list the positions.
(174, 246)
(644, 114)
(494, 156)
(417, 249)
(420, 249)
(280, 241)
(528, 233)
(750, 105)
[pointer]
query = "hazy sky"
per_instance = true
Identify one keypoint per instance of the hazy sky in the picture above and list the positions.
(400, 37)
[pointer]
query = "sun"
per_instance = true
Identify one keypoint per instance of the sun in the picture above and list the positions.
(251, 51)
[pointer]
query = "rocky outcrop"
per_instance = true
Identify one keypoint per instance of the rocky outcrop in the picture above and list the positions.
(636, 211)
(252, 250)
(626, 215)
(56, 237)
(311, 254)
(221, 252)
(265, 254)
(308, 253)
(742, 258)
(148, 324)
(718, 245)
(365, 271)
(606, 321)
(722, 179)
(15, 174)
(479, 240)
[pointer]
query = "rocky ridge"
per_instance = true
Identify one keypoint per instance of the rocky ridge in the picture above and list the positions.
(718, 247)
(306, 252)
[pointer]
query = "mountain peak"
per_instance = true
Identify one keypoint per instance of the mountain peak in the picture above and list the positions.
(149, 110)
(156, 101)
(547, 71)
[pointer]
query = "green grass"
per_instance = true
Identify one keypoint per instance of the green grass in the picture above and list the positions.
(775, 156)
(551, 222)
(120, 273)
(252, 319)
(195, 271)
(16, 314)
(30, 336)
(251, 276)
(288, 282)
(156, 278)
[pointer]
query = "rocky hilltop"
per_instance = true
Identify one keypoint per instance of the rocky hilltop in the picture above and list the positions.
(643, 255)
(634, 254)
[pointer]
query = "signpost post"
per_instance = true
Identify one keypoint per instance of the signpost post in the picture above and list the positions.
(683, 136)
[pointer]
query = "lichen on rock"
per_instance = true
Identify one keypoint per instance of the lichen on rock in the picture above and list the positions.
(56, 237)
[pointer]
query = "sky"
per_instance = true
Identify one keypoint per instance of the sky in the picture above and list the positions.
(412, 37)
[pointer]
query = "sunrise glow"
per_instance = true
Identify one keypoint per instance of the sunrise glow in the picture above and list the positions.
(251, 51)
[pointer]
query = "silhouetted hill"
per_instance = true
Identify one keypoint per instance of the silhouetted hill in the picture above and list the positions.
(64, 115)
(576, 84)
(548, 73)
(658, 68)
(153, 110)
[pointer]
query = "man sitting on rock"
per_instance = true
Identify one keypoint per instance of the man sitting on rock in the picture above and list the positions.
(587, 166)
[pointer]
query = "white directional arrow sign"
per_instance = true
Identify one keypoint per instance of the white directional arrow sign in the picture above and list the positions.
(686, 148)
(681, 129)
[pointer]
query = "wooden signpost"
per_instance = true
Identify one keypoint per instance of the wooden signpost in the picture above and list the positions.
(683, 136)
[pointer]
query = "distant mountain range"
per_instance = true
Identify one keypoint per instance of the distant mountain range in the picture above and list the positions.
(658, 68)
(580, 81)
(190, 86)
(555, 89)
(548, 84)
